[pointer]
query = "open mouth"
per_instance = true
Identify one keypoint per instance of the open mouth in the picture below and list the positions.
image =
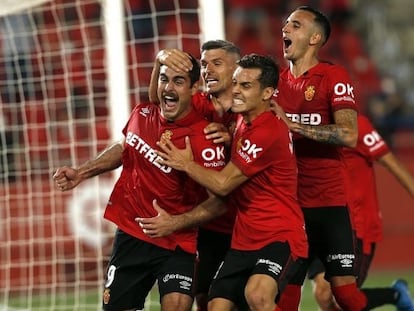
(287, 43)
(211, 81)
(170, 101)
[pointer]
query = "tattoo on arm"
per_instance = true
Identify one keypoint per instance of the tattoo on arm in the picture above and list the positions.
(343, 132)
(330, 134)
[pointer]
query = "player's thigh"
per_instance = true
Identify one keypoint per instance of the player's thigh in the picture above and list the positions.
(127, 281)
(331, 239)
(176, 274)
(274, 260)
(231, 278)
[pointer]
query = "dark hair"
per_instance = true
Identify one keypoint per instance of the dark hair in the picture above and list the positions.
(194, 73)
(320, 19)
(228, 46)
(270, 70)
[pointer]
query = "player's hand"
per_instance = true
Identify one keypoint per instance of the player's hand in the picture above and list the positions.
(174, 157)
(218, 133)
(66, 178)
(175, 59)
(281, 114)
(158, 226)
(273, 106)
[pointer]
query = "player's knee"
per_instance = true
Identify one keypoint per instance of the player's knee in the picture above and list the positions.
(323, 294)
(258, 299)
(176, 302)
(221, 304)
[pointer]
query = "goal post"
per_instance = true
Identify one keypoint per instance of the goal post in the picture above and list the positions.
(71, 72)
(115, 44)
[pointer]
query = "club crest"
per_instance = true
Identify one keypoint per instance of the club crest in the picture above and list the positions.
(166, 136)
(310, 92)
(106, 296)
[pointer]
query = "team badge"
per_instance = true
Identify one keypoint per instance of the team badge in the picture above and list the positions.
(106, 296)
(166, 136)
(310, 92)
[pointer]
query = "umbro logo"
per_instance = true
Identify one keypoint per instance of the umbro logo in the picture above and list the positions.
(144, 111)
(185, 285)
(346, 262)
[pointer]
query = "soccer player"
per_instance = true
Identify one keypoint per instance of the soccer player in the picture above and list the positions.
(261, 180)
(137, 260)
(218, 62)
(318, 99)
(366, 216)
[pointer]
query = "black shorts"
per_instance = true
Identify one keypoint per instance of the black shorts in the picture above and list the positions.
(134, 267)
(274, 260)
(212, 247)
(316, 267)
(331, 239)
(362, 264)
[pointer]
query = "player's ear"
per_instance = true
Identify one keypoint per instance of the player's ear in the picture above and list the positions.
(268, 93)
(316, 39)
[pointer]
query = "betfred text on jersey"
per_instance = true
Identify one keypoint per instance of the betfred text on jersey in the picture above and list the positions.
(305, 118)
(146, 150)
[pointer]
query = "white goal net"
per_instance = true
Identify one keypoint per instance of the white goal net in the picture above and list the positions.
(60, 104)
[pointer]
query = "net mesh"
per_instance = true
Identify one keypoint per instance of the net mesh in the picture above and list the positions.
(54, 111)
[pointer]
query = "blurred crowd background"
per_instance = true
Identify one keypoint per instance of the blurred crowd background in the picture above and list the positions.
(370, 38)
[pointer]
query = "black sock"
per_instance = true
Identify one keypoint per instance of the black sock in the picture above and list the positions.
(380, 296)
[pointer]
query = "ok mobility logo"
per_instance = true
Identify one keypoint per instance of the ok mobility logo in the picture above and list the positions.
(248, 150)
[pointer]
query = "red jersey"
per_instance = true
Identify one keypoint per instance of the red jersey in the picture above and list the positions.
(144, 179)
(268, 210)
(312, 99)
(203, 104)
(362, 191)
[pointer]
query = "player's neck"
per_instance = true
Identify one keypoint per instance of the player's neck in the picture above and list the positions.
(302, 65)
(222, 102)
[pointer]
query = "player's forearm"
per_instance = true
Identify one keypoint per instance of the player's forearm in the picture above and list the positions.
(211, 208)
(401, 173)
(330, 134)
(152, 89)
(107, 160)
(343, 132)
(215, 181)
